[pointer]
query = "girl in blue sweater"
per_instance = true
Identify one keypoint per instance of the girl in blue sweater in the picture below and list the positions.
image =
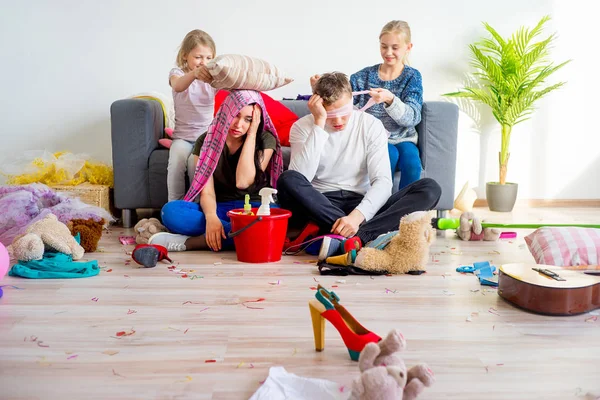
(398, 92)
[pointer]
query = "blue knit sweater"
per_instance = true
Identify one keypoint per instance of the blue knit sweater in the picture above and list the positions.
(401, 117)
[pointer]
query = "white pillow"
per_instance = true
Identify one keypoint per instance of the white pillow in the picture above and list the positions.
(233, 71)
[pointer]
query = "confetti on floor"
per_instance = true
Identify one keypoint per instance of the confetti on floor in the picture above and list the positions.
(109, 270)
(313, 288)
(42, 344)
(340, 281)
(390, 291)
(448, 293)
(95, 299)
(469, 319)
(110, 352)
(492, 310)
(43, 362)
(253, 301)
(210, 361)
(11, 286)
(117, 374)
(125, 333)
(591, 319)
(130, 311)
(72, 357)
(277, 282)
(240, 364)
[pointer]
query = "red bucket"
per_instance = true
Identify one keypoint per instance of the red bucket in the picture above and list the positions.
(259, 239)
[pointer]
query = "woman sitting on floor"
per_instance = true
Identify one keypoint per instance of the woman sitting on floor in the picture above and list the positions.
(234, 157)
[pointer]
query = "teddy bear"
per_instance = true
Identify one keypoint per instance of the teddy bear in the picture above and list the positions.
(407, 251)
(90, 232)
(470, 229)
(147, 227)
(47, 233)
(384, 374)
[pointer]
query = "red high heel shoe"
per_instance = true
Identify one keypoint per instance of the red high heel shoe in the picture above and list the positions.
(149, 255)
(310, 230)
(326, 307)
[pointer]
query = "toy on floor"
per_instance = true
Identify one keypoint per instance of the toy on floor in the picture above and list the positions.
(149, 255)
(147, 227)
(90, 232)
(407, 251)
(484, 272)
(384, 374)
(46, 234)
(470, 229)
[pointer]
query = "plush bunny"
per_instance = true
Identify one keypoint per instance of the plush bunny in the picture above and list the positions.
(384, 375)
(470, 229)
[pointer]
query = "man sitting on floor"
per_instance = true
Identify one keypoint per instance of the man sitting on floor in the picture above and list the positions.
(339, 175)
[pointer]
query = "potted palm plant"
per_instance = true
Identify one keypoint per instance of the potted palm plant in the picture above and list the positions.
(511, 73)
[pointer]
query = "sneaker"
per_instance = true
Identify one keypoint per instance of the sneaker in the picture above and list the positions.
(171, 241)
(332, 246)
(382, 240)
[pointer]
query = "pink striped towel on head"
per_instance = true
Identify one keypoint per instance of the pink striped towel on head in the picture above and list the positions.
(565, 247)
(217, 133)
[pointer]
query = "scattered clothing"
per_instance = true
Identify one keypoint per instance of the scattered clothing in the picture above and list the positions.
(281, 384)
(55, 266)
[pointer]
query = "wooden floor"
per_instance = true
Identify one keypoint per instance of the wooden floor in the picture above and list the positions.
(202, 337)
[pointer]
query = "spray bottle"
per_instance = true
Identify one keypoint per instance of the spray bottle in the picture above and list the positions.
(266, 195)
(247, 205)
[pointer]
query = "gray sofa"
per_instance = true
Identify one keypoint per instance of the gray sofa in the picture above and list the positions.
(140, 163)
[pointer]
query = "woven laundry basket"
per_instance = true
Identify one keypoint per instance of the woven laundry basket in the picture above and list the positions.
(94, 195)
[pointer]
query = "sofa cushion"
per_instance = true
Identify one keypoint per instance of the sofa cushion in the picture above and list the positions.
(234, 71)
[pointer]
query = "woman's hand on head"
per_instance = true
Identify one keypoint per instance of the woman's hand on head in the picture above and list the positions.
(214, 232)
(202, 74)
(256, 117)
(381, 95)
(315, 105)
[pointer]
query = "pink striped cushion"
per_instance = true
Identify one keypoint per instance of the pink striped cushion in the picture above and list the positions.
(232, 71)
(565, 246)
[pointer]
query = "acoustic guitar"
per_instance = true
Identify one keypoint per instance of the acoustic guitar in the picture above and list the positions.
(550, 290)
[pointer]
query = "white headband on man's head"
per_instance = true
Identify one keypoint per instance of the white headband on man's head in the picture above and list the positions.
(348, 108)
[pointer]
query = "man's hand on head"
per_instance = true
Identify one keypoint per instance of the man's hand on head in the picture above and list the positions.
(315, 105)
(348, 226)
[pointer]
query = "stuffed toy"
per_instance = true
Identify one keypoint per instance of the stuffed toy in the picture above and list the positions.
(408, 251)
(90, 232)
(46, 234)
(384, 374)
(470, 229)
(147, 227)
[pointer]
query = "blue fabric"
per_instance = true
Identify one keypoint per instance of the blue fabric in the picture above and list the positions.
(408, 88)
(55, 266)
(187, 218)
(404, 157)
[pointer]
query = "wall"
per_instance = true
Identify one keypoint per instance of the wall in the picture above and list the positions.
(68, 61)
